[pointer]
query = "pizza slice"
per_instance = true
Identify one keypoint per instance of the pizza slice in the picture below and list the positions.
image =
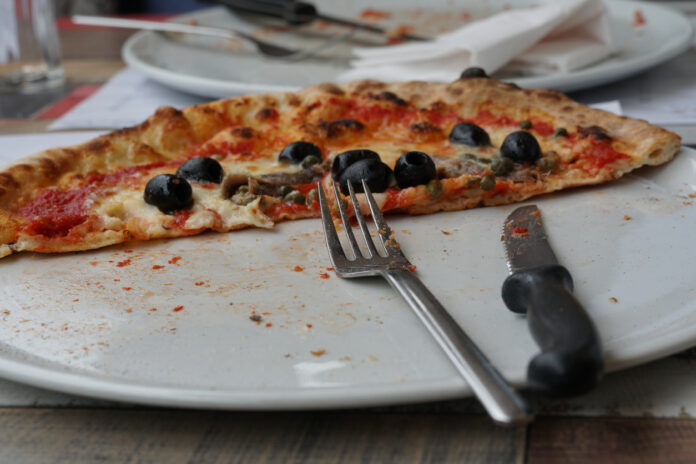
(256, 160)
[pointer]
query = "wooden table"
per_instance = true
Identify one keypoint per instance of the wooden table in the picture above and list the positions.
(639, 415)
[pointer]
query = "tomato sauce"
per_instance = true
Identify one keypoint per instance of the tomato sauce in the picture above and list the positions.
(225, 148)
(599, 154)
(393, 200)
(54, 211)
(378, 115)
(291, 208)
(180, 218)
(542, 128)
(486, 118)
(120, 175)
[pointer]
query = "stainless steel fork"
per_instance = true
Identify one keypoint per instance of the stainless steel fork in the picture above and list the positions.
(265, 48)
(503, 403)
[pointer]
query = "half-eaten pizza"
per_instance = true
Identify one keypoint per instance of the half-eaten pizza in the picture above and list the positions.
(256, 160)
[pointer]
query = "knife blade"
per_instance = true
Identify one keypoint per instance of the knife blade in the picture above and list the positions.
(570, 361)
(298, 12)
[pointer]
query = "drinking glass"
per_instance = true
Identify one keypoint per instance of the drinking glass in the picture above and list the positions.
(29, 48)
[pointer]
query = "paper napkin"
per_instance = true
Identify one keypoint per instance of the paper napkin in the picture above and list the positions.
(561, 36)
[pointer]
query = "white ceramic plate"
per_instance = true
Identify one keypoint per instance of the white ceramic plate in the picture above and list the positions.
(212, 68)
(104, 323)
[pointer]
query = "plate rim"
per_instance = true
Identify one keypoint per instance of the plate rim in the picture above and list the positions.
(577, 80)
(100, 386)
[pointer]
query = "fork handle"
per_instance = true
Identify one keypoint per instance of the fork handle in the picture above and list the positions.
(503, 404)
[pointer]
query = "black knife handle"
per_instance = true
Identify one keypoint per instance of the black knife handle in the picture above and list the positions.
(571, 360)
(292, 11)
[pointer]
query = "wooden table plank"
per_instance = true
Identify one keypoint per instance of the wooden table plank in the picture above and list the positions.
(135, 436)
(575, 440)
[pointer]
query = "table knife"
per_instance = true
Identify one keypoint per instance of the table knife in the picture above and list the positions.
(570, 361)
(298, 12)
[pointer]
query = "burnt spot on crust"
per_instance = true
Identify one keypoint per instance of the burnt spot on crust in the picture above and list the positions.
(338, 127)
(293, 100)
(424, 127)
(22, 167)
(129, 130)
(98, 145)
(597, 132)
(436, 106)
(266, 114)
(173, 119)
(205, 109)
(551, 95)
(567, 108)
(168, 112)
(49, 167)
(331, 88)
(454, 91)
(7, 181)
(390, 97)
(244, 132)
(369, 85)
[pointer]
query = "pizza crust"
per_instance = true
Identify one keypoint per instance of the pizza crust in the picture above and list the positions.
(170, 133)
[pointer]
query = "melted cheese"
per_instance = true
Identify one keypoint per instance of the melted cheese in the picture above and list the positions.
(128, 209)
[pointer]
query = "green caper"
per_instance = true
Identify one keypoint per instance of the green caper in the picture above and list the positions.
(560, 132)
(242, 189)
(487, 182)
(294, 197)
(312, 196)
(502, 165)
(309, 161)
(434, 188)
(472, 157)
(284, 190)
(548, 162)
(525, 124)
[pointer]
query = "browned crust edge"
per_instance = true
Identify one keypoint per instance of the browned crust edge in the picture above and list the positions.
(170, 132)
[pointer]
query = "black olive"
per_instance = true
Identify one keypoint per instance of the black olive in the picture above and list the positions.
(297, 151)
(201, 169)
(414, 168)
(473, 72)
(169, 193)
(466, 133)
(521, 147)
(375, 173)
(345, 159)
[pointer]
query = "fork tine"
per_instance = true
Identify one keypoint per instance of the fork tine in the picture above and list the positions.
(361, 221)
(346, 223)
(383, 229)
(332, 241)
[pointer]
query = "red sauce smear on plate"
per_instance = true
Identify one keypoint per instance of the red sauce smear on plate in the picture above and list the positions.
(371, 13)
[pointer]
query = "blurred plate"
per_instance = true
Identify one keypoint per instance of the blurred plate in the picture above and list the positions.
(168, 323)
(216, 68)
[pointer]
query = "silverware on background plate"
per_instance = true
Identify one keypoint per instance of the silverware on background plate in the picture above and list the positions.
(296, 12)
(571, 360)
(503, 403)
(265, 48)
